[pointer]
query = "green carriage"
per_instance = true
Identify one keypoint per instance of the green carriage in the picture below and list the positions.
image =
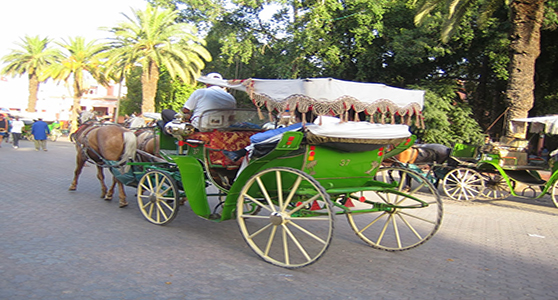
(506, 169)
(286, 195)
(510, 170)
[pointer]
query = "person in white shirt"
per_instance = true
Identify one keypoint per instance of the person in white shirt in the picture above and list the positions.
(17, 129)
(211, 97)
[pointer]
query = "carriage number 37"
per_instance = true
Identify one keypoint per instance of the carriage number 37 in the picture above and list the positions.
(344, 162)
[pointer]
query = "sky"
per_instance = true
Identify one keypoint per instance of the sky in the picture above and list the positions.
(56, 19)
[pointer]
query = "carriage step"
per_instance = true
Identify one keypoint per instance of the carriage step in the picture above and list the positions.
(524, 176)
(378, 186)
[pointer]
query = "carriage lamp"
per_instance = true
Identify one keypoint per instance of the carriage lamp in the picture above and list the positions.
(179, 129)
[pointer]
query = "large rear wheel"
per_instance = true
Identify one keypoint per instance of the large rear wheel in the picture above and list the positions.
(291, 223)
(554, 193)
(397, 218)
(158, 197)
(463, 184)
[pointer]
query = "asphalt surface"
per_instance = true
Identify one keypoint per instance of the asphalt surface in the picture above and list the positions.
(57, 244)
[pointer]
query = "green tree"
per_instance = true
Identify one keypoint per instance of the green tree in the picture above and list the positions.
(153, 39)
(80, 57)
(32, 58)
(449, 117)
(369, 41)
(525, 18)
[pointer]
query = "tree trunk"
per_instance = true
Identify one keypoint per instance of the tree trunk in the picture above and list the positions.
(76, 108)
(149, 79)
(526, 19)
(33, 91)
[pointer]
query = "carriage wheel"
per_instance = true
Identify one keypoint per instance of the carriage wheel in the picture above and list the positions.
(293, 225)
(398, 221)
(158, 197)
(463, 184)
(555, 193)
(495, 186)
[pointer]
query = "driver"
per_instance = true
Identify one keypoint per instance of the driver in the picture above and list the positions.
(210, 97)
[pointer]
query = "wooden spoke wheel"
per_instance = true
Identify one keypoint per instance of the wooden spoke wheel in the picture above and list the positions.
(554, 193)
(292, 224)
(495, 186)
(397, 218)
(158, 197)
(463, 184)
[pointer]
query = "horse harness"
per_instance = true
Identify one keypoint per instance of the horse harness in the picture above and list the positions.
(82, 141)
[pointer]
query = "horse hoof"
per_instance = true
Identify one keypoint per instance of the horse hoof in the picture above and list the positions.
(72, 189)
(123, 205)
(108, 198)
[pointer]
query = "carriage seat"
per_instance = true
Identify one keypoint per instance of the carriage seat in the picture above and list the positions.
(513, 158)
(216, 141)
(357, 136)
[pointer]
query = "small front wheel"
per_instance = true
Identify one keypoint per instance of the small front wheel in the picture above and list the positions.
(158, 197)
(291, 223)
(399, 217)
(463, 184)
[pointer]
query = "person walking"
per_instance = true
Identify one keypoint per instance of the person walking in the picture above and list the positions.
(40, 131)
(3, 128)
(17, 129)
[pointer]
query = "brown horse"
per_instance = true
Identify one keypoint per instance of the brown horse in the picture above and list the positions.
(147, 144)
(422, 154)
(105, 146)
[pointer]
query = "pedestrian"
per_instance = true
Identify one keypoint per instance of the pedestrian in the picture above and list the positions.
(40, 131)
(3, 128)
(7, 137)
(17, 129)
(211, 97)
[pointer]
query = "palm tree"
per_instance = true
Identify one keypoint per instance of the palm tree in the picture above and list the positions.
(152, 39)
(32, 58)
(81, 57)
(526, 18)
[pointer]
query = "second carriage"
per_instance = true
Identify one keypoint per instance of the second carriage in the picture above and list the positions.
(500, 170)
(286, 197)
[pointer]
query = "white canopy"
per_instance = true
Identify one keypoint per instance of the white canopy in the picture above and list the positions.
(547, 124)
(328, 96)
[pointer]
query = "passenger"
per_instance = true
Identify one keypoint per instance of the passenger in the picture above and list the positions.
(211, 97)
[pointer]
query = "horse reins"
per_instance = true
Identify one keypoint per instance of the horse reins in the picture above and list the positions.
(84, 145)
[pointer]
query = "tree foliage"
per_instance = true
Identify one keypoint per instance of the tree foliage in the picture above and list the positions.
(79, 58)
(153, 39)
(32, 57)
(360, 40)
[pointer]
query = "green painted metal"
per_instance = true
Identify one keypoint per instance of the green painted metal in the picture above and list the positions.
(336, 169)
(464, 151)
(493, 164)
(282, 155)
(401, 147)
(193, 181)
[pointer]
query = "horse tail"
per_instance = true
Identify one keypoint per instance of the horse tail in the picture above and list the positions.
(130, 146)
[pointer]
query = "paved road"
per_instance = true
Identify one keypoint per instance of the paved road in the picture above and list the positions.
(56, 244)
